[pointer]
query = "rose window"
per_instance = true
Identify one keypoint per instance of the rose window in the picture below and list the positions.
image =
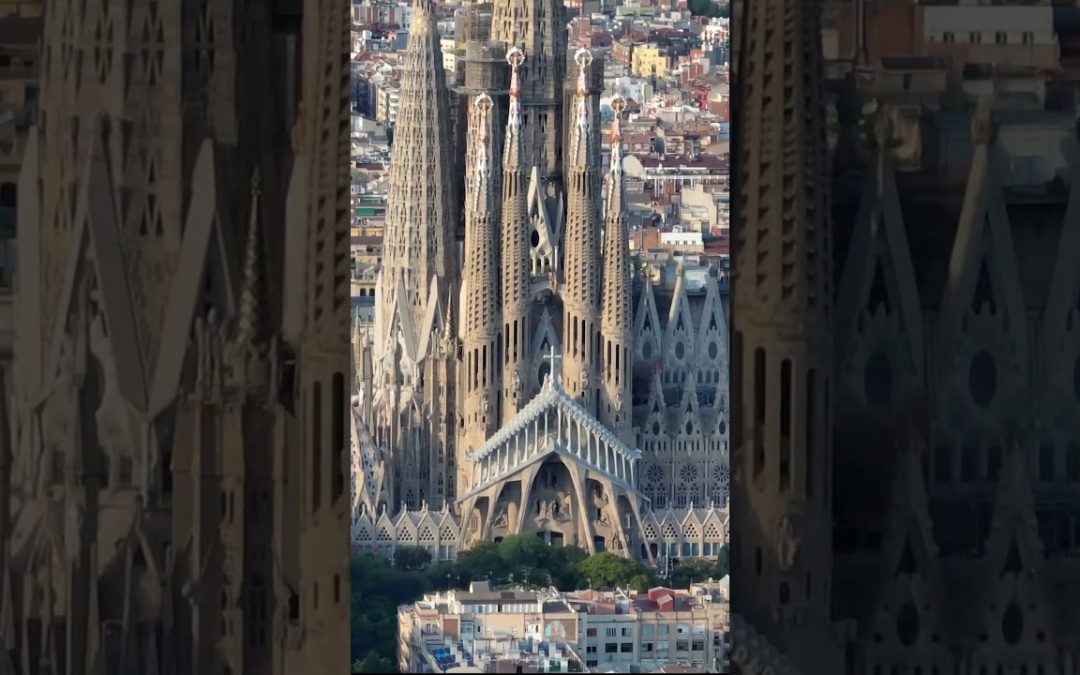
(655, 473)
(688, 473)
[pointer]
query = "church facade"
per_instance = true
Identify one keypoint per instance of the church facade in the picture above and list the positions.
(529, 376)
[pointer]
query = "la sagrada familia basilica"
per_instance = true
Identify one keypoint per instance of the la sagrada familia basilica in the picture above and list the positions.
(528, 376)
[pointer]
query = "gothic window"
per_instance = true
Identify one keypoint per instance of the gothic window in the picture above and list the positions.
(337, 430)
(759, 411)
(969, 457)
(993, 462)
(811, 428)
(942, 464)
(680, 350)
(294, 607)
(721, 480)
(316, 446)
(906, 564)
(879, 294)
(713, 350)
(984, 291)
(785, 425)
(688, 473)
(1012, 623)
(1046, 461)
(682, 496)
(1013, 565)
(878, 380)
(907, 625)
(982, 379)
(1072, 461)
(785, 593)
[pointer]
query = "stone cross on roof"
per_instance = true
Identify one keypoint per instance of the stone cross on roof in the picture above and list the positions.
(551, 357)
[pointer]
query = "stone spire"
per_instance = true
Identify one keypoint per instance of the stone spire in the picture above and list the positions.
(581, 288)
(248, 316)
(421, 211)
(247, 349)
(617, 324)
(782, 376)
(481, 332)
(516, 228)
(538, 27)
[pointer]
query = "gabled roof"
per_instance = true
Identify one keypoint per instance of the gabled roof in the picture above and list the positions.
(552, 395)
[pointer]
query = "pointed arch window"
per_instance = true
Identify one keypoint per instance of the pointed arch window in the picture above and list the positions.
(316, 446)
(759, 411)
(337, 429)
(879, 291)
(786, 411)
(984, 290)
(811, 431)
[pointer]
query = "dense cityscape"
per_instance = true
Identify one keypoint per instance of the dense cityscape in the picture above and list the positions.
(650, 90)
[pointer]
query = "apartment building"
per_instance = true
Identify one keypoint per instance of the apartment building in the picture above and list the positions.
(549, 629)
(1004, 35)
(649, 60)
(387, 98)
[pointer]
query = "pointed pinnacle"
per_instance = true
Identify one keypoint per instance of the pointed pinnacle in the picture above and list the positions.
(247, 319)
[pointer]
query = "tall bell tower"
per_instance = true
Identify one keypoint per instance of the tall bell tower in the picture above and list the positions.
(782, 313)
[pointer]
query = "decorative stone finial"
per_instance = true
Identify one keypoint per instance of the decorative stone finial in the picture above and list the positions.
(584, 58)
(448, 331)
(618, 105)
(515, 57)
(483, 137)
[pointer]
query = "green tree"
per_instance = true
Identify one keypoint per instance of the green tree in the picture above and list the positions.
(642, 582)
(606, 570)
(723, 563)
(523, 550)
(411, 558)
(706, 8)
(377, 589)
(482, 562)
(690, 570)
(564, 568)
(443, 576)
(373, 663)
